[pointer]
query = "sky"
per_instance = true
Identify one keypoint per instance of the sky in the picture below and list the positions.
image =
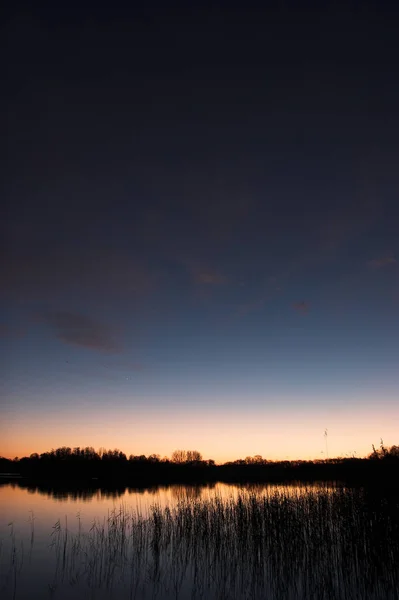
(200, 245)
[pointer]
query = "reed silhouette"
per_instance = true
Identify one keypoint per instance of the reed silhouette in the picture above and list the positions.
(322, 542)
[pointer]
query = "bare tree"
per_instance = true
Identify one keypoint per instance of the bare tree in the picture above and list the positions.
(193, 456)
(185, 456)
(179, 456)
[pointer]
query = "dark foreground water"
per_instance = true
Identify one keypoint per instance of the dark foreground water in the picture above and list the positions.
(268, 542)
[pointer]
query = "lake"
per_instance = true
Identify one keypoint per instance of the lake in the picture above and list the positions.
(217, 541)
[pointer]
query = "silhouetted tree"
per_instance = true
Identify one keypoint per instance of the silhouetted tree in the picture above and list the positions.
(187, 466)
(193, 456)
(186, 456)
(154, 458)
(179, 456)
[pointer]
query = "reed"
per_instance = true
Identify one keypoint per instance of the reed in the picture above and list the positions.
(328, 543)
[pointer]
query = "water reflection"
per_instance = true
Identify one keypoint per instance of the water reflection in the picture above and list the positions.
(70, 491)
(218, 541)
(83, 492)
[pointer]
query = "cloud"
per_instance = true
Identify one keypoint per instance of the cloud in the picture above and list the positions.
(206, 277)
(80, 330)
(301, 307)
(48, 277)
(379, 263)
(8, 331)
(203, 275)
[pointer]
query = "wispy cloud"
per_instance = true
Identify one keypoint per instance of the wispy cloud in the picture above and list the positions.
(81, 330)
(8, 331)
(379, 263)
(207, 277)
(301, 307)
(47, 277)
(203, 275)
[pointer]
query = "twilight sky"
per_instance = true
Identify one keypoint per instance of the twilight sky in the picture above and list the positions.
(200, 245)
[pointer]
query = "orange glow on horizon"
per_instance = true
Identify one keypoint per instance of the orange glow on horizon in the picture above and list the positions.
(214, 433)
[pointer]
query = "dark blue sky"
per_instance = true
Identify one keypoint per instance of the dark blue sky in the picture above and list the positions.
(201, 219)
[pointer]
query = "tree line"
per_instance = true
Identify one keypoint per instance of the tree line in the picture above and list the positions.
(88, 453)
(189, 466)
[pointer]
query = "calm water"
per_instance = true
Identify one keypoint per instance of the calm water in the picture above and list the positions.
(215, 541)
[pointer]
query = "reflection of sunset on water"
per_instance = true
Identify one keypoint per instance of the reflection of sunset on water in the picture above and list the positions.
(48, 504)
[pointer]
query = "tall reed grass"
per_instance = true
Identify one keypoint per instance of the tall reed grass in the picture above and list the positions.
(322, 543)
